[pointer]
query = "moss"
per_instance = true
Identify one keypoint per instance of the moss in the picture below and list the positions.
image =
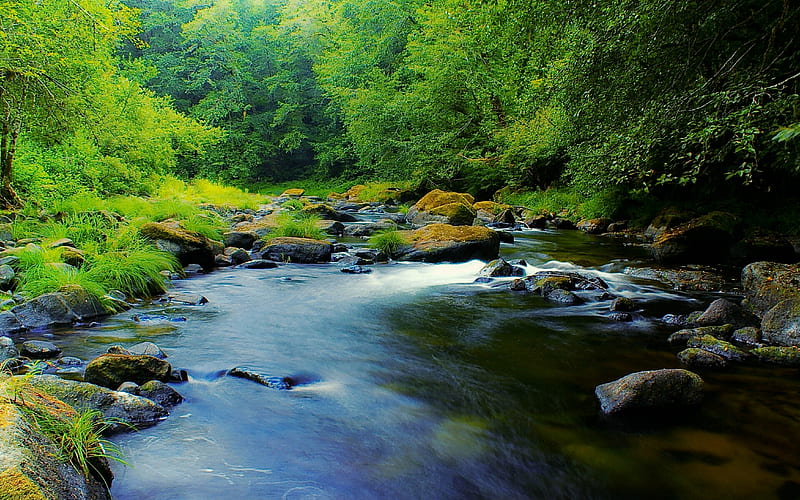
(437, 198)
(15, 485)
(456, 213)
(170, 231)
(446, 232)
(786, 356)
(550, 283)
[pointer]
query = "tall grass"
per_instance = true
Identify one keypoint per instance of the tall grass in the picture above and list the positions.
(52, 278)
(136, 272)
(297, 225)
(388, 241)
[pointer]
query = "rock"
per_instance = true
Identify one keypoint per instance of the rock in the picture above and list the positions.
(326, 212)
(505, 237)
(443, 207)
(718, 347)
(188, 246)
(147, 348)
(761, 245)
(748, 336)
(500, 268)
(786, 356)
(258, 264)
(694, 357)
(616, 227)
(73, 256)
(781, 324)
(331, 227)
(594, 226)
(563, 297)
(722, 312)
(666, 388)
(160, 393)
(518, 285)
(490, 207)
(536, 222)
(543, 281)
(668, 219)
(9, 323)
(560, 223)
(40, 349)
(623, 317)
(7, 276)
(297, 250)
(700, 240)
(362, 230)
(190, 299)
(355, 270)
(293, 193)
(447, 243)
(237, 255)
(62, 242)
(44, 311)
(690, 278)
(222, 261)
(110, 370)
(506, 217)
(767, 283)
(7, 349)
(31, 467)
(623, 304)
(681, 337)
(84, 305)
(280, 383)
(129, 409)
(240, 239)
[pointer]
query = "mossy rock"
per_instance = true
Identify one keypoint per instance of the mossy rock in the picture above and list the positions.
(704, 239)
(111, 370)
(492, 207)
(594, 226)
(30, 467)
(781, 324)
(448, 243)
(719, 347)
(778, 355)
(293, 193)
(443, 207)
(189, 247)
(681, 337)
(695, 357)
(766, 284)
(297, 250)
(648, 390)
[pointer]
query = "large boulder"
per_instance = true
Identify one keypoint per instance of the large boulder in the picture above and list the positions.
(123, 409)
(447, 243)
(690, 278)
(443, 207)
(767, 283)
(297, 250)
(31, 467)
(704, 239)
(240, 239)
(45, 311)
(9, 323)
(111, 370)
(668, 219)
(781, 324)
(189, 247)
(723, 312)
(653, 389)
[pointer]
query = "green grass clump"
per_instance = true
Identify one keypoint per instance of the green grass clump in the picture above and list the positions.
(293, 205)
(388, 241)
(209, 225)
(297, 225)
(136, 272)
(54, 277)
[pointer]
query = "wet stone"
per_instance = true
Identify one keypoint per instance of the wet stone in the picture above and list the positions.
(694, 357)
(39, 349)
(718, 347)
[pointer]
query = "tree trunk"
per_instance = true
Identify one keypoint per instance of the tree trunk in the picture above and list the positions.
(8, 146)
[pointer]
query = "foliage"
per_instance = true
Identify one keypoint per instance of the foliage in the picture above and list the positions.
(293, 205)
(137, 271)
(297, 225)
(388, 241)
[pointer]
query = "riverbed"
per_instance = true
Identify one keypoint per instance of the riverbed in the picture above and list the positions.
(424, 384)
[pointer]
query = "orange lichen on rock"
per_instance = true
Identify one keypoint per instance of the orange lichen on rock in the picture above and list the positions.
(446, 232)
(490, 206)
(437, 198)
(15, 485)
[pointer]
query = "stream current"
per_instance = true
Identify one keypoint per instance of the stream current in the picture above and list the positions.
(427, 385)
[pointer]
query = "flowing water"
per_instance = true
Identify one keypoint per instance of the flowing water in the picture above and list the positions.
(426, 385)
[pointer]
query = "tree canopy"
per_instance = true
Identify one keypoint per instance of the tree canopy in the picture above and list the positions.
(468, 94)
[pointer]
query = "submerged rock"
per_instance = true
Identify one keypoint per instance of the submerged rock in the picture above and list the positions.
(154, 390)
(666, 388)
(7, 349)
(111, 370)
(258, 264)
(40, 349)
(273, 382)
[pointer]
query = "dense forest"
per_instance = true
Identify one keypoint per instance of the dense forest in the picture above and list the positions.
(475, 95)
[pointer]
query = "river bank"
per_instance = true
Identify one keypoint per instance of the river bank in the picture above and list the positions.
(552, 251)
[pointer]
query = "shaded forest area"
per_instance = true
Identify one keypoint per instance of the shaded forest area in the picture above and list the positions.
(604, 99)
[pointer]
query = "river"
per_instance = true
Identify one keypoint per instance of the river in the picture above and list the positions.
(427, 385)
